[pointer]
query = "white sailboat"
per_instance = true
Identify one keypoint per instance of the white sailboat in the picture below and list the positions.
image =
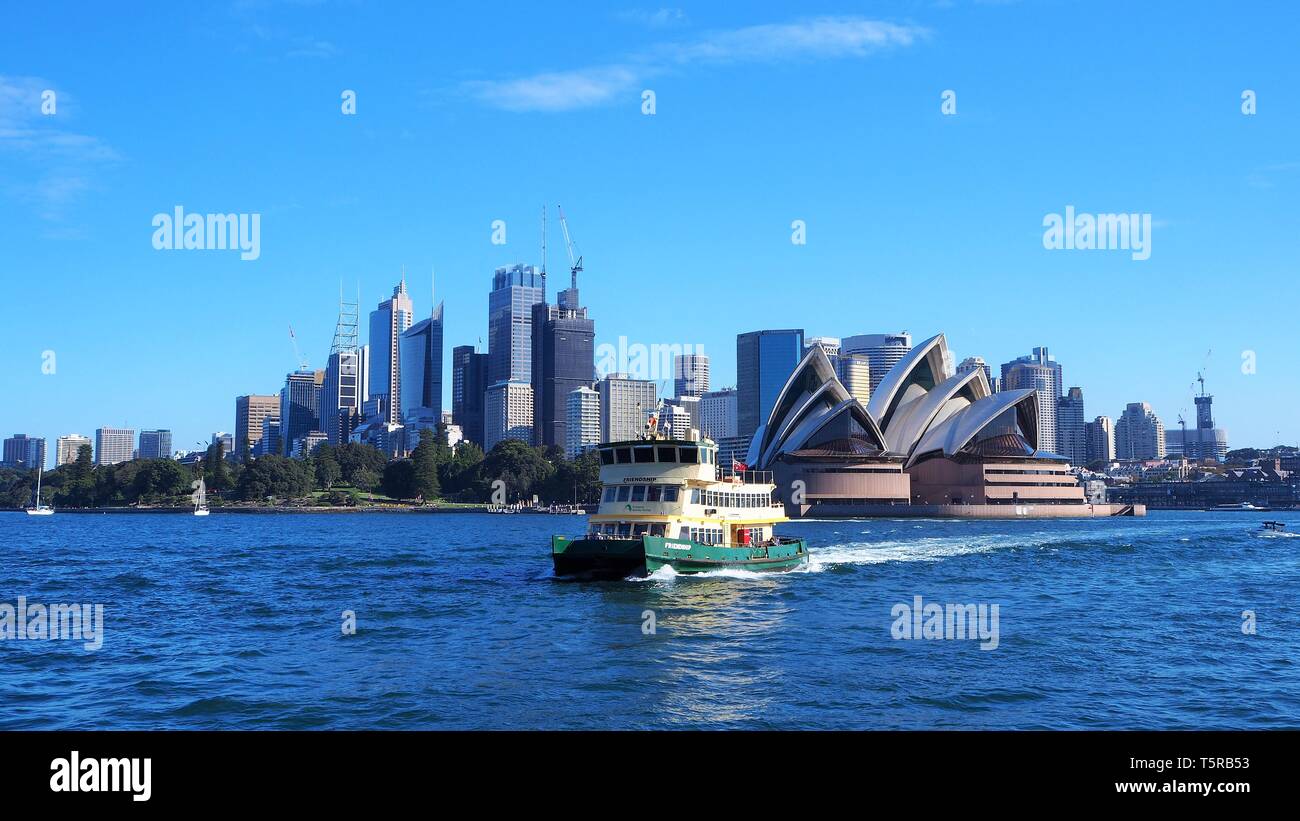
(200, 497)
(40, 509)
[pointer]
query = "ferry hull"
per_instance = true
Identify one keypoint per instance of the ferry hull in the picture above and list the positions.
(686, 556)
(597, 558)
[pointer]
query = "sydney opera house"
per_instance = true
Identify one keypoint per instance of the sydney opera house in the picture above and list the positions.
(926, 444)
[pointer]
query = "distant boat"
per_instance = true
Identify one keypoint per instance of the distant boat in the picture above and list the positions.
(1274, 526)
(40, 509)
(199, 497)
(1240, 506)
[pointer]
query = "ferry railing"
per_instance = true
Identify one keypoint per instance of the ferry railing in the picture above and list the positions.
(753, 477)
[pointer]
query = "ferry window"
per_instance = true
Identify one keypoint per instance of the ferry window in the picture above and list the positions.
(610, 493)
(670, 493)
(638, 493)
(667, 454)
(624, 529)
(643, 455)
(657, 530)
(690, 456)
(639, 529)
(623, 492)
(654, 493)
(624, 456)
(706, 456)
(607, 457)
(695, 496)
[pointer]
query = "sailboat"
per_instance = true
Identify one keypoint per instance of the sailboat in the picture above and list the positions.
(40, 509)
(200, 497)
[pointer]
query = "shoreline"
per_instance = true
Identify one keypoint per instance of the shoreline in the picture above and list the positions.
(286, 509)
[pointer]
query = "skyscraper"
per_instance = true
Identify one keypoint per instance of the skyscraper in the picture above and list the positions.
(582, 422)
(690, 374)
(972, 363)
(346, 383)
(718, 414)
(1042, 373)
(1139, 433)
(155, 444)
(854, 372)
(387, 323)
(421, 360)
(624, 406)
(764, 362)
(299, 406)
(563, 357)
(23, 452)
(883, 352)
(468, 385)
(114, 445)
(515, 291)
(507, 413)
(68, 447)
(1071, 437)
(251, 413)
(1101, 440)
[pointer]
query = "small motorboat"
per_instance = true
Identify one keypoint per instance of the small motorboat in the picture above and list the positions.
(1276, 527)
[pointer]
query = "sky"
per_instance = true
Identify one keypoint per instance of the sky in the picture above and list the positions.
(916, 216)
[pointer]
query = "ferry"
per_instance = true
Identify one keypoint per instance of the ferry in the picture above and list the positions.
(666, 503)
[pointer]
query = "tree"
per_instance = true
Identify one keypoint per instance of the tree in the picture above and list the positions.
(274, 476)
(354, 457)
(424, 462)
(460, 474)
(399, 480)
(365, 479)
(522, 467)
(215, 472)
(327, 467)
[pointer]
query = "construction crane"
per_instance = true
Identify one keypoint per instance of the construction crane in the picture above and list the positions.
(302, 363)
(575, 259)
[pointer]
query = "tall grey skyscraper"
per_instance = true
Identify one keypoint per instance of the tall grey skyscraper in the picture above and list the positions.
(582, 422)
(1139, 433)
(718, 414)
(299, 407)
(1101, 440)
(883, 352)
(114, 445)
(515, 291)
(625, 404)
(345, 388)
(764, 362)
(563, 358)
(387, 323)
(690, 374)
(155, 444)
(422, 376)
(469, 370)
(1071, 436)
(507, 413)
(1042, 373)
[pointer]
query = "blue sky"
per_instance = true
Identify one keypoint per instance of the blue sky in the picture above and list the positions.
(764, 114)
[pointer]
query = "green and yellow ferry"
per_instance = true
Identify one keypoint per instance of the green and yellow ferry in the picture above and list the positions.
(665, 502)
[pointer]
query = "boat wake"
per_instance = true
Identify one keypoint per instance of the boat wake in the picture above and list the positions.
(668, 574)
(912, 550)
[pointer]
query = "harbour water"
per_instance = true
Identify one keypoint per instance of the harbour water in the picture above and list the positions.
(235, 622)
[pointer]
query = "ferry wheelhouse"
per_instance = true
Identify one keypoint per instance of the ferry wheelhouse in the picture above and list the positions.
(667, 501)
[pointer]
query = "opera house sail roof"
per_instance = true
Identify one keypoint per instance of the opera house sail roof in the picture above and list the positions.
(918, 411)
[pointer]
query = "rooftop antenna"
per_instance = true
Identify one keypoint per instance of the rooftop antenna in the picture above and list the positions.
(543, 239)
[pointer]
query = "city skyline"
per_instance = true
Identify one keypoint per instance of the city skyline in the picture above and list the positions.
(948, 233)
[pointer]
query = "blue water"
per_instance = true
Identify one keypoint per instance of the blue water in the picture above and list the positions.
(234, 622)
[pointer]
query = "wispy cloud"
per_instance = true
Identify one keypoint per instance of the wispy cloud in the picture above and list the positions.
(55, 167)
(659, 18)
(814, 39)
(1267, 176)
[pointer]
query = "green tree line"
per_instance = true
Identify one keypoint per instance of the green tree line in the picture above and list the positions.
(345, 475)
